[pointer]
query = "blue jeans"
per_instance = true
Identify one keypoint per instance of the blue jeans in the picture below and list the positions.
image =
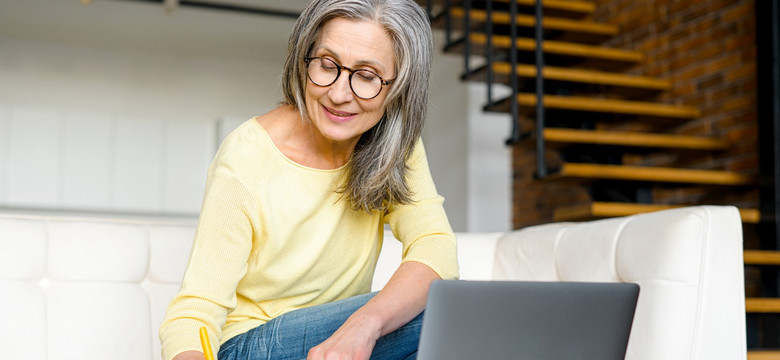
(290, 336)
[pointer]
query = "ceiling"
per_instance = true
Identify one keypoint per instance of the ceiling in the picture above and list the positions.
(147, 25)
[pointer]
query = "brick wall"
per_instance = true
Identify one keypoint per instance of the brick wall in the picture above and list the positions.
(707, 49)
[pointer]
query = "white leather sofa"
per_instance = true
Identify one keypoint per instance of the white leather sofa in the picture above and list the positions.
(96, 288)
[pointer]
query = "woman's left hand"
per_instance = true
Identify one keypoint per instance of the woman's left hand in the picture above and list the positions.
(352, 341)
(402, 298)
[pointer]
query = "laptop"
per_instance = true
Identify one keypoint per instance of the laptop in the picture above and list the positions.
(498, 320)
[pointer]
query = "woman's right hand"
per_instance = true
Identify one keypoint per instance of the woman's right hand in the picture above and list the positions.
(190, 355)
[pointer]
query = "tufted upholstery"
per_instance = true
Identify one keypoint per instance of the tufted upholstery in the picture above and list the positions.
(96, 288)
(87, 288)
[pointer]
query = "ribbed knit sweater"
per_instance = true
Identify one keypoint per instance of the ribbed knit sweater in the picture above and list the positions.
(275, 236)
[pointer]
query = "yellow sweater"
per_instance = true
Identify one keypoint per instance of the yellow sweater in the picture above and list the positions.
(274, 236)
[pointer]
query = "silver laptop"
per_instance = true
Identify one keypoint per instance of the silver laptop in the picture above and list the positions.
(501, 320)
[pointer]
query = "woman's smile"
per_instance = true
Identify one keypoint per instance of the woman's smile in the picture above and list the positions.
(338, 116)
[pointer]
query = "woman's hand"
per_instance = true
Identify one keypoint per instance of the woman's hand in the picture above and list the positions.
(190, 355)
(402, 298)
(352, 341)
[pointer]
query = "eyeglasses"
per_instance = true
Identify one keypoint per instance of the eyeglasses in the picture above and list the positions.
(365, 84)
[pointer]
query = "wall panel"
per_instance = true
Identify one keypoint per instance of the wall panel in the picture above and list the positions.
(5, 140)
(138, 166)
(34, 158)
(86, 165)
(189, 149)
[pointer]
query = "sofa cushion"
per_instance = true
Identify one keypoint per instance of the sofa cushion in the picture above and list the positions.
(170, 251)
(23, 324)
(170, 244)
(98, 251)
(22, 239)
(88, 287)
(91, 320)
(476, 255)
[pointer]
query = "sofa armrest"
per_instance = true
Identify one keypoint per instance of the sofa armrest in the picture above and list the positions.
(687, 261)
(475, 257)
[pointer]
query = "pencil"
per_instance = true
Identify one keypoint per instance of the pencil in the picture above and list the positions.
(204, 341)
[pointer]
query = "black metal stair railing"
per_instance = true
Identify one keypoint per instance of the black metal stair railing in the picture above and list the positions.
(515, 135)
(466, 42)
(768, 106)
(514, 106)
(489, 54)
(541, 167)
(448, 22)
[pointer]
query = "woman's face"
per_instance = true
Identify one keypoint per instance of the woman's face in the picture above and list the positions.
(336, 112)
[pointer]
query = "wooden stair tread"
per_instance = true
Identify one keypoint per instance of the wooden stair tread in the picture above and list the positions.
(610, 106)
(633, 139)
(596, 210)
(650, 174)
(572, 6)
(750, 216)
(602, 209)
(625, 107)
(762, 257)
(549, 22)
(763, 355)
(762, 305)
(561, 48)
(583, 76)
(569, 8)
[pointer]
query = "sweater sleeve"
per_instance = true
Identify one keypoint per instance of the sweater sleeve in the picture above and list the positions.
(218, 261)
(422, 225)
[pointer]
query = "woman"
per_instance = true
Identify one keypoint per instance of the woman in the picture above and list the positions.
(296, 201)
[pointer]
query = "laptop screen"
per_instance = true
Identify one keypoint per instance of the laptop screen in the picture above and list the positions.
(471, 320)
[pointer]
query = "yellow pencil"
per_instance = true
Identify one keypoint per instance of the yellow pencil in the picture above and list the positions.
(206, 343)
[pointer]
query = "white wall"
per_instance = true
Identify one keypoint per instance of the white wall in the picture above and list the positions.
(68, 76)
(105, 129)
(468, 159)
(446, 136)
(116, 123)
(490, 164)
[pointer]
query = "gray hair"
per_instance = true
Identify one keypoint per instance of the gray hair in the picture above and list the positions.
(377, 170)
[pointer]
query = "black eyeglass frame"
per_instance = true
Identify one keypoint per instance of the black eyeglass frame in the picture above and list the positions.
(341, 68)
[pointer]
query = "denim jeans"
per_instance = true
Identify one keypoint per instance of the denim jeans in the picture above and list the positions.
(290, 336)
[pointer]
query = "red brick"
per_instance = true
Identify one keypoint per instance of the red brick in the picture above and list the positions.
(707, 53)
(737, 104)
(730, 90)
(706, 48)
(722, 63)
(741, 11)
(719, 5)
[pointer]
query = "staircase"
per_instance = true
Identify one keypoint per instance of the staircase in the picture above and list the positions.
(612, 142)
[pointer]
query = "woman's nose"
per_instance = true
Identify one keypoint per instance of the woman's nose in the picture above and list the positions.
(340, 91)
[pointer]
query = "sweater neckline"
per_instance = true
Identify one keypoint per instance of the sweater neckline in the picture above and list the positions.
(276, 149)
